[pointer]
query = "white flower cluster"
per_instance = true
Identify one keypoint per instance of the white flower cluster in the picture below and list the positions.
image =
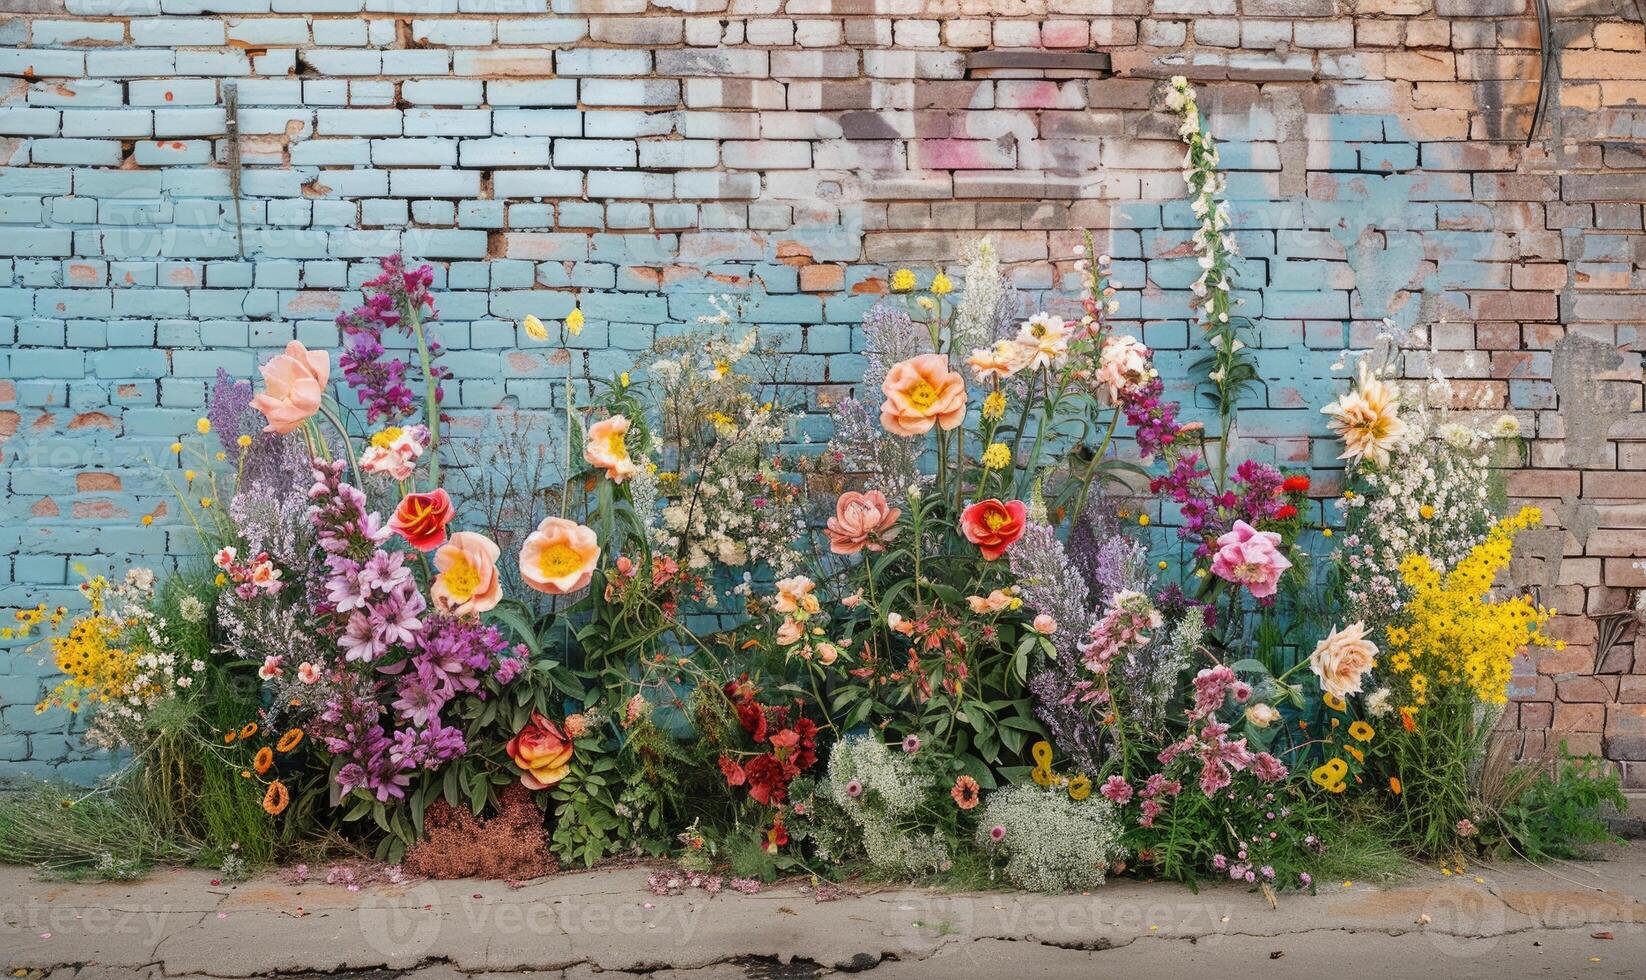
(987, 301)
(882, 792)
(159, 673)
(1433, 499)
(735, 512)
(1214, 241)
(723, 503)
(1051, 843)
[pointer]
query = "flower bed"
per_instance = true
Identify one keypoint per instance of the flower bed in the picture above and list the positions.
(948, 643)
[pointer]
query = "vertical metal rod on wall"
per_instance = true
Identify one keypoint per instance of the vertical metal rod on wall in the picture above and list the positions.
(231, 159)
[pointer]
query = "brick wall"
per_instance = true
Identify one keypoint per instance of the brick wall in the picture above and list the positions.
(639, 156)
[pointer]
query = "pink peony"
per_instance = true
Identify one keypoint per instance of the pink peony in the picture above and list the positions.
(1249, 557)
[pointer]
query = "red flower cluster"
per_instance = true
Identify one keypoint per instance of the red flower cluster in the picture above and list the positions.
(1296, 485)
(790, 749)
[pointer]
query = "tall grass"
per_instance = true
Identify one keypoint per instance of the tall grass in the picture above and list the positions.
(65, 832)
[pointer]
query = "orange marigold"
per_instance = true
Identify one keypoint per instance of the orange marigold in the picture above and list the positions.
(248, 729)
(264, 760)
(290, 740)
(276, 798)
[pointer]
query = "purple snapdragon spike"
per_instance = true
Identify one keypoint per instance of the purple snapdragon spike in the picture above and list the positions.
(395, 300)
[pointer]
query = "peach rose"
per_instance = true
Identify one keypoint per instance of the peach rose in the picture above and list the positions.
(994, 602)
(1262, 715)
(421, 519)
(996, 363)
(1125, 364)
(861, 520)
(796, 595)
(920, 392)
(604, 448)
(543, 752)
(789, 633)
(1045, 624)
(468, 580)
(292, 385)
(559, 557)
(1342, 659)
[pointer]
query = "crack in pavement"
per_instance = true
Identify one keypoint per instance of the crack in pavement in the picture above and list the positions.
(577, 926)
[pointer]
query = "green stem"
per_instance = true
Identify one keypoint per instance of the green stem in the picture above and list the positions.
(1091, 468)
(431, 395)
(343, 433)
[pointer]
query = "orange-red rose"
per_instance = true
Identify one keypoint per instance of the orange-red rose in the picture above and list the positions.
(421, 519)
(993, 525)
(543, 752)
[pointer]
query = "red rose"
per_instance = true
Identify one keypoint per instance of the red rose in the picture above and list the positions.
(1285, 512)
(768, 784)
(993, 525)
(1295, 484)
(421, 519)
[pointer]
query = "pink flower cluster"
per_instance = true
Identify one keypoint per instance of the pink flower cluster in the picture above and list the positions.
(250, 577)
(1123, 627)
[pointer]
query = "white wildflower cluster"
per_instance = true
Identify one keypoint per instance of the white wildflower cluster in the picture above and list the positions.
(988, 304)
(736, 510)
(724, 502)
(1051, 843)
(882, 792)
(157, 673)
(1433, 499)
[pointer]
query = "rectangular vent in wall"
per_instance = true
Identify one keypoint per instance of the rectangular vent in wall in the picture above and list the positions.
(1038, 64)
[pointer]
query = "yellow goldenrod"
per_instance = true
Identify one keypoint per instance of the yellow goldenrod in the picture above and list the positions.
(1453, 633)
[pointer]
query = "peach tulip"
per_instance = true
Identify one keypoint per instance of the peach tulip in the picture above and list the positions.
(559, 557)
(468, 581)
(921, 392)
(292, 385)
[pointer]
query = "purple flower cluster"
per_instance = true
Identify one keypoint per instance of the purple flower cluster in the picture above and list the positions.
(395, 300)
(271, 461)
(402, 664)
(368, 594)
(375, 760)
(1258, 492)
(1154, 420)
(451, 658)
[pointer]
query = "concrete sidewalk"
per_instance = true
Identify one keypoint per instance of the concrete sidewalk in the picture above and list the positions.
(1508, 921)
